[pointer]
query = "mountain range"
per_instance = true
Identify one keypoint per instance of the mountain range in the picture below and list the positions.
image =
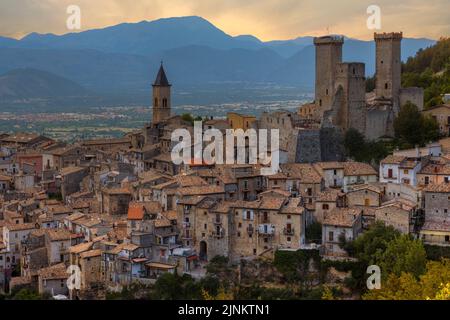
(125, 58)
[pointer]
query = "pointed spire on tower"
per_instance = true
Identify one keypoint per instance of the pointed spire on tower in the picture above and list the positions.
(161, 78)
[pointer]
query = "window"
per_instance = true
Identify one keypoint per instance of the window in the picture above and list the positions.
(325, 206)
(386, 85)
(447, 238)
(156, 102)
(288, 239)
(330, 236)
(289, 217)
(254, 251)
(240, 225)
(239, 234)
(405, 171)
(205, 226)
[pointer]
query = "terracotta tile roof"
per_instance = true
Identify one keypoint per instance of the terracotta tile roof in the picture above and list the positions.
(136, 210)
(343, 217)
(91, 253)
(401, 203)
(305, 173)
(293, 207)
(201, 190)
(437, 169)
(70, 170)
(437, 224)
(276, 193)
(329, 195)
(358, 169)
(162, 223)
(188, 181)
(59, 234)
(55, 272)
(438, 188)
(82, 247)
(391, 159)
(20, 227)
(191, 200)
(171, 214)
(117, 191)
(369, 187)
(271, 203)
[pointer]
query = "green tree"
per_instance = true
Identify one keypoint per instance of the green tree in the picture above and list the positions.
(370, 246)
(403, 254)
(408, 124)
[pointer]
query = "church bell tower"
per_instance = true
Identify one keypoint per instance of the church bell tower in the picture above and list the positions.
(161, 97)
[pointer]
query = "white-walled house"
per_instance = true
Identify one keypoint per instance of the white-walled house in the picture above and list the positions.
(400, 169)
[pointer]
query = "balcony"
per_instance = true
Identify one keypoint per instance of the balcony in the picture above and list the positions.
(288, 231)
(266, 229)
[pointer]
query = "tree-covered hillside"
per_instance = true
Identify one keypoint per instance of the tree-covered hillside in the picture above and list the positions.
(429, 69)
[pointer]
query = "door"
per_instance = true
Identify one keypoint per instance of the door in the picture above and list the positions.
(203, 251)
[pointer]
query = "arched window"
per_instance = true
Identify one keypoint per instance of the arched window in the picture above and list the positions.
(386, 85)
(156, 102)
(164, 103)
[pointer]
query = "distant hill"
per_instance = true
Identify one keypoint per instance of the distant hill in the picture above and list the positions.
(429, 69)
(31, 83)
(124, 58)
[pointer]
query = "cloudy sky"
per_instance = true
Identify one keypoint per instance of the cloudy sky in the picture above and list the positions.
(266, 19)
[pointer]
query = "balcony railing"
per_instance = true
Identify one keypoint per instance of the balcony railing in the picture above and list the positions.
(266, 229)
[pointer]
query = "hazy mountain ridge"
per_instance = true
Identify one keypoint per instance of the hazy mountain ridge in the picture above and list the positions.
(30, 83)
(125, 57)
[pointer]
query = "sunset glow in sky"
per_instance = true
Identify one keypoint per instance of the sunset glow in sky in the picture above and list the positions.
(266, 19)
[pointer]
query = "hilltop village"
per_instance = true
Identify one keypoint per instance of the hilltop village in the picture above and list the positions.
(122, 212)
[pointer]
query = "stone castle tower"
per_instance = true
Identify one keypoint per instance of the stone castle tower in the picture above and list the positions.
(328, 56)
(161, 97)
(351, 96)
(388, 67)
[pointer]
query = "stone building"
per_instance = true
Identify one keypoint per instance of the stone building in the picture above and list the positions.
(397, 213)
(115, 201)
(436, 229)
(338, 225)
(442, 116)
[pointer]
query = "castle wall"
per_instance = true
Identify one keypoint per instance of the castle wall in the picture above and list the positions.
(412, 94)
(308, 146)
(378, 123)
